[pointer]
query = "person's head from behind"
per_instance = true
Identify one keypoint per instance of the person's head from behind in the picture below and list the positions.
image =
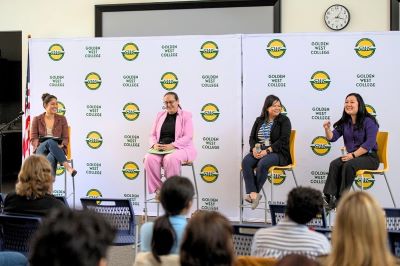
(303, 204)
(207, 241)
(296, 260)
(359, 236)
(176, 197)
(272, 107)
(69, 237)
(35, 178)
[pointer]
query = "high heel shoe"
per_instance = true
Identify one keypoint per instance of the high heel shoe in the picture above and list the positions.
(74, 172)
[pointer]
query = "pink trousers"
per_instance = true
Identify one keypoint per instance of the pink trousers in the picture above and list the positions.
(170, 162)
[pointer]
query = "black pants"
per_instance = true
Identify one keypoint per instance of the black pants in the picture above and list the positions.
(341, 174)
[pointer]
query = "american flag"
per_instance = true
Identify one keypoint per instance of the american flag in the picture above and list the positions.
(26, 151)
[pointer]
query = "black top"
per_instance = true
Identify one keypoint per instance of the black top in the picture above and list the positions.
(167, 133)
(40, 206)
(279, 138)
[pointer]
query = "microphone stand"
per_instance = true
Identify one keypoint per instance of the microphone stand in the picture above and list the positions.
(2, 132)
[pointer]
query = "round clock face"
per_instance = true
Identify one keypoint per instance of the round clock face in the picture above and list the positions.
(337, 17)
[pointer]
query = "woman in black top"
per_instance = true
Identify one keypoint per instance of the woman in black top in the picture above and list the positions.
(269, 146)
(33, 189)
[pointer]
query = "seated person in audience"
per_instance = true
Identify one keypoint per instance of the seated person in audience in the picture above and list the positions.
(292, 235)
(296, 260)
(69, 237)
(33, 189)
(207, 241)
(11, 258)
(164, 236)
(359, 236)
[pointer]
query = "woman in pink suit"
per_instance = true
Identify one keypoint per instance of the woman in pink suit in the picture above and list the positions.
(171, 134)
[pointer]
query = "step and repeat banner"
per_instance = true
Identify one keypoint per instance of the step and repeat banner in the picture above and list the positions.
(110, 90)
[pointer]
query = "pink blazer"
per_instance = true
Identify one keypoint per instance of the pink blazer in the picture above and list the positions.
(183, 132)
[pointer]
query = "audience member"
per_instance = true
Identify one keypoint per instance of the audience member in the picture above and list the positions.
(69, 237)
(291, 235)
(359, 237)
(164, 236)
(11, 258)
(33, 189)
(207, 241)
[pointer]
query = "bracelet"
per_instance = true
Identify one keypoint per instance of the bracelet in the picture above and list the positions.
(353, 155)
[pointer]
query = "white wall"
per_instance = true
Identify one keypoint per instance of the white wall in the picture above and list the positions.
(308, 15)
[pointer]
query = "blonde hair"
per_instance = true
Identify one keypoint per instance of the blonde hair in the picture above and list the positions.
(35, 178)
(359, 235)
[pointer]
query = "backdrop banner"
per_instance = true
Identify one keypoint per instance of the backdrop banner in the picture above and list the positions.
(110, 90)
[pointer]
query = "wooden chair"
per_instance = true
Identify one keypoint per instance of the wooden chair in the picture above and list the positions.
(254, 261)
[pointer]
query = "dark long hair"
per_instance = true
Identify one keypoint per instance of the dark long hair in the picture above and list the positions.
(175, 195)
(361, 114)
(175, 96)
(46, 98)
(269, 101)
(207, 241)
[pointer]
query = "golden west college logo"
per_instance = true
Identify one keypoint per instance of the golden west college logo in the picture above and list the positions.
(60, 170)
(365, 48)
(279, 177)
(209, 173)
(61, 108)
(130, 51)
(131, 111)
(320, 80)
(209, 50)
(169, 81)
(368, 183)
(94, 193)
(210, 112)
(370, 110)
(94, 140)
(56, 52)
(320, 146)
(276, 48)
(130, 170)
(92, 81)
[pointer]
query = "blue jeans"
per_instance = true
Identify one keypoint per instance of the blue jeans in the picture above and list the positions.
(53, 152)
(255, 182)
(11, 258)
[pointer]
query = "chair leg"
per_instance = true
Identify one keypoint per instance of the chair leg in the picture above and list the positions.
(145, 196)
(362, 182)
(390, 191)
(294, 177)
(241, 197)
(265, 205)
(73, 186)
(272, 186)
(195, 187)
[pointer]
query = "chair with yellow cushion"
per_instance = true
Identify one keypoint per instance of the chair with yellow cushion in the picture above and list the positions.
(382, 141)
(254, 261)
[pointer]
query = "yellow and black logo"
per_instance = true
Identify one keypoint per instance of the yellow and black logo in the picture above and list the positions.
(94, 140)
(130, 170)
(320, 146)
(93, 81)
(368, 183)
(279, 177)
(276, 48)
(283, 110)
(61, 108)
(320, 80)
(209, 173)
(60, 170)
(370, 110)
(56, 52)
(130, 51)
(94, 193)
(131, 111)
(169, 81)
(209, 50)
(209, 112)
(365, 48)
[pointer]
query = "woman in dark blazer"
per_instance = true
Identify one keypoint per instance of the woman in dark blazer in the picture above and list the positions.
(54, 128)
(269, 146)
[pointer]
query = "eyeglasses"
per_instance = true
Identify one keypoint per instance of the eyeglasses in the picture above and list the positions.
(169, 102)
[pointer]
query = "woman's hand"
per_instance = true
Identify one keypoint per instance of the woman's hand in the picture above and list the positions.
(327, 124)
(166, 147)
(347, 157)
(259, 155)
(61, 146)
